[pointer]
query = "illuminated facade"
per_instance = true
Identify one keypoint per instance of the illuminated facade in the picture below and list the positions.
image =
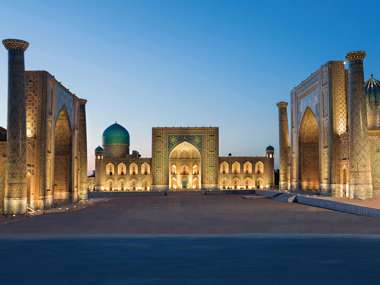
(43, 152)
(334, 144)
(183, 159)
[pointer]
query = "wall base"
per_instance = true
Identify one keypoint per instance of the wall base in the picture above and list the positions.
(14, 206)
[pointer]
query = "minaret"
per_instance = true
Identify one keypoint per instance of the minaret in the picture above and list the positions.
(83, 150)
(270, 160)
(15, 199)
(284, 144)
(99, 169)
(360, 170)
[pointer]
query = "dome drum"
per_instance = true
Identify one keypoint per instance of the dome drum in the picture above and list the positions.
(116, 150)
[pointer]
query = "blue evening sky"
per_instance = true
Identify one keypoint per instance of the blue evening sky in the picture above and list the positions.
(187, 63)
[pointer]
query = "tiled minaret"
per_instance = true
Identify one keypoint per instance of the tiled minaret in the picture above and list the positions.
(83, 150)
(15, 199)
(360, 170)
(284, 144)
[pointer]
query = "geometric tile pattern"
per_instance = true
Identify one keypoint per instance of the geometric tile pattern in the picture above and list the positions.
(15, 199)
(360, 169)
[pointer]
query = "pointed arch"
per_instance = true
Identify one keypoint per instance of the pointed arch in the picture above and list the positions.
(63, 111)
(248, 183)
(133, 169)
(236, 183)
(185, 167)
(247, 167)
(259, 183)
(121, 169)
(110, 169)
(224, 167)
(133, 185)
(109, 185)
(259, 167)
(145, 168)
(308, 156)
(235, 167)
(62, 178)
(121, 185)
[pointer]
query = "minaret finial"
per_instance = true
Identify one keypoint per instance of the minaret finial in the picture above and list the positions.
(356, 55)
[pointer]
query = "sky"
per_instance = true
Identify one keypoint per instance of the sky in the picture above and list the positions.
(187, 62)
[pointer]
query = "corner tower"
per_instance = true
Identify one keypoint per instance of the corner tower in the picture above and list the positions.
(359, 160)
(15, 200)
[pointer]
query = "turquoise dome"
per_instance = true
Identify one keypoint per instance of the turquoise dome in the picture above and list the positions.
(115, 134)
(372, 89)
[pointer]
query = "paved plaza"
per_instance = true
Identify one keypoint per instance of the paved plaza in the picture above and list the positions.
(190, 213)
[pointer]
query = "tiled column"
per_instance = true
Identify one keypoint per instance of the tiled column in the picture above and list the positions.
(83, 150)
(15, 200)
(284, 144)
(360, 170)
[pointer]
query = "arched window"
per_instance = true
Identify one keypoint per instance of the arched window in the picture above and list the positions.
(195, 169)
(173, 170)
(236, 167)
(184, 170)
(110, 169)
(133, 185)
(248, 183)
(121, 185)
(195, 183)
(121, 169)
(133, 169)
(259, 183)
(145, 168)
(224, 167)
(236, 183)
(247, 167)
(224, 184)
(174, 183)
(146, 186)
(259, 167)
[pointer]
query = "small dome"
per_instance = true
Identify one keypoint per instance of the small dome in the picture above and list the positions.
(3, 134)
(372, 89)
(270, 148)
(99, 149)
(115, 135)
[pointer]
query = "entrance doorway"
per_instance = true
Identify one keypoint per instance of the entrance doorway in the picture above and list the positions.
(309, 152)
(184, 167)
(62, 183)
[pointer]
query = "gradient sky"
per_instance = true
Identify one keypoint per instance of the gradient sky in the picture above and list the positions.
(187, 63)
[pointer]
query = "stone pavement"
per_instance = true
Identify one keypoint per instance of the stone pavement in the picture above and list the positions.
(192, 213)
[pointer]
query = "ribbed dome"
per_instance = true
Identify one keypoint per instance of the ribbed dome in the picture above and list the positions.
(99, 149)
(115, 135)
(270, 148)
(372, 89)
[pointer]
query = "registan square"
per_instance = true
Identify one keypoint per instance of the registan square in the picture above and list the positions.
(189, 142)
